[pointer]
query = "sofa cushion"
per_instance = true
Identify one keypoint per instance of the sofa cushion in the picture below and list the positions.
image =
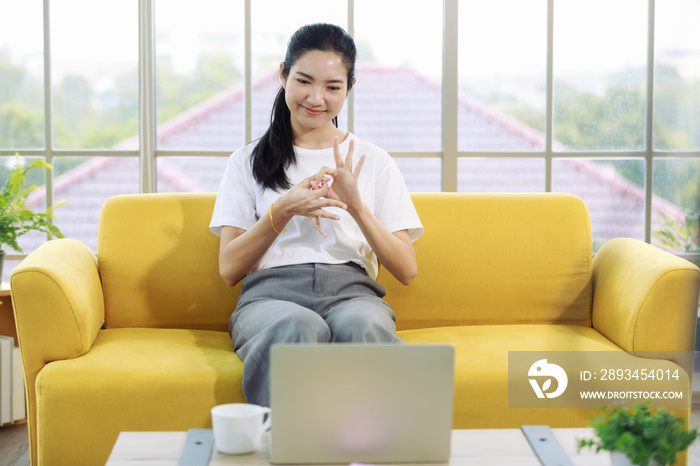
(497, 259)
(159, 263)
(481, 370)
(134, 379)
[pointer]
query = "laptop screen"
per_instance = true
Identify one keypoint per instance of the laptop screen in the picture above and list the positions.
(341, 403)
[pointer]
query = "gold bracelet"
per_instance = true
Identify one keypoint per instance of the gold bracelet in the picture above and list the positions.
(273, 225)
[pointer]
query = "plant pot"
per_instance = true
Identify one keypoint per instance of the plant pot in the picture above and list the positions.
(620, 459)
(2, 262)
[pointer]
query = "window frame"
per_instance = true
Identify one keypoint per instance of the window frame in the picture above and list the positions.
(450, 155)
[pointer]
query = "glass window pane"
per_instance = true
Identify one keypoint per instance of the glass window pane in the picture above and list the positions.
(36, 200)
(502, 72)
(200, 95)
(21, 75)
(94, 73)
(677, 76)
(7, 269)
(270, 33)
(398, 95)
(483, 175)
(189, 174)
(599, 74)
(85, 183)
(612, 189)
(676, 204)
(421, 174)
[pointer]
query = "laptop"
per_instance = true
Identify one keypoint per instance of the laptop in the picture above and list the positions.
(363, 403)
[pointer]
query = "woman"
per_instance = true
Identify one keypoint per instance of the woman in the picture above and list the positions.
(306, 223)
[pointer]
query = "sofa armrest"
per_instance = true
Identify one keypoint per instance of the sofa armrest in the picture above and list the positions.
(644, 299)
(59, 309)
(58, 302)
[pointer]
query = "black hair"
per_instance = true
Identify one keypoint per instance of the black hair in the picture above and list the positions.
(274, 152)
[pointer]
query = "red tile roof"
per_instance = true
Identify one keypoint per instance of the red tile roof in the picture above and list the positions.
(412, 122)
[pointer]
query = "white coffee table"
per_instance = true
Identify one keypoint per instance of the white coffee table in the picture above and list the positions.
(469, 447)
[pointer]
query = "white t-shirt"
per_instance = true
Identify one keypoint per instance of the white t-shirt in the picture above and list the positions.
(240, 202)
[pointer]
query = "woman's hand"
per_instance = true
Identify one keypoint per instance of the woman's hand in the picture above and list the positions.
(308, 198)
(394, 250)
(344, 186)
(240, 250)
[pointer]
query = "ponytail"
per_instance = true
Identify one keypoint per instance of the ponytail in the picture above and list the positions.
(274, 152)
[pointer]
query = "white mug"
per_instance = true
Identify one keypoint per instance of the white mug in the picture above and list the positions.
(238, 427)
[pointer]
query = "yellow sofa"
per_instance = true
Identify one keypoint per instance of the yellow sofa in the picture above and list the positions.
(135, 337)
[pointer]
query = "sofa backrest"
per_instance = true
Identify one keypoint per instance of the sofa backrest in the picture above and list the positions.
(484, 259)
(497, 259)
(158, 263)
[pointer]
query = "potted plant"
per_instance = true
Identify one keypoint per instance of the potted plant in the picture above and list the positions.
(15, 218)
(637, 436)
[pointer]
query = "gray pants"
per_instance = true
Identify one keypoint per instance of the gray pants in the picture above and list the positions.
(308, 303)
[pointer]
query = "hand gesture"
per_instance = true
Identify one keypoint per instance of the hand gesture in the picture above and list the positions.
(344, 186)
(308, 198)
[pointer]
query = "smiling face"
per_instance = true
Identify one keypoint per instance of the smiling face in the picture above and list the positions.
(315, 91)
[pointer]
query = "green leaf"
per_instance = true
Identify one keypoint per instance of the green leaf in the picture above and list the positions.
(15, 218)
(640, 434)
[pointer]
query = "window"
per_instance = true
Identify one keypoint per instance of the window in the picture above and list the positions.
(94, 74)
(676, 76)
(502, 75)
(599, 83)
(676, 129)
(507, 95)
(397, 98)
(199, 66)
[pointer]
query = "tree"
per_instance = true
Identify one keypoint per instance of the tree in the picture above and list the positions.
(676, 115)
(21, 126)
(615, 120)
(21, 106)
(74, 109)
(176, 92)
